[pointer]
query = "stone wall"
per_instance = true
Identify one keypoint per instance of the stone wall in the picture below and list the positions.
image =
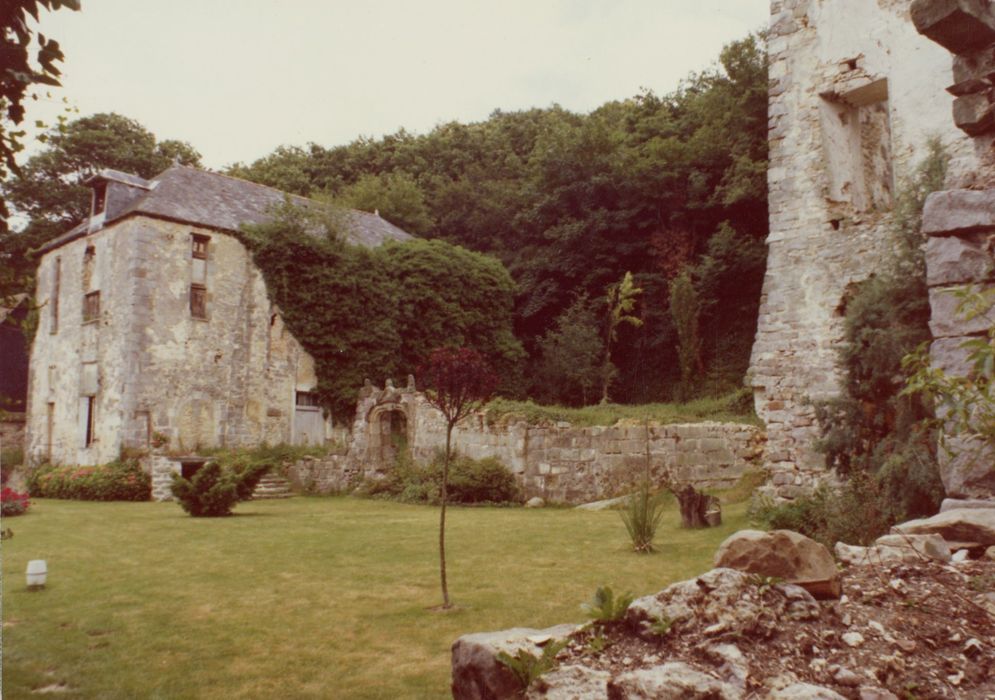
(855, 94)
(559, 462)
(960, 252)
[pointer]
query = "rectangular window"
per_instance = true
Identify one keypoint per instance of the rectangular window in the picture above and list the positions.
(91, 307)
(56, 285)
(87, 406)
(49, 431)
(200, 242)
(307, 399)
(198, 301)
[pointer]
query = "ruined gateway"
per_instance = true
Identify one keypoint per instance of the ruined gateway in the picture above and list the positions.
(156, 329)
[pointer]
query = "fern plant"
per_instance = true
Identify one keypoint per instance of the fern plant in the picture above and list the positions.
(528, 667)
(606, 607)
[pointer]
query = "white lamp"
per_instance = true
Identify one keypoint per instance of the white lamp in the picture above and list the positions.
(37, 570)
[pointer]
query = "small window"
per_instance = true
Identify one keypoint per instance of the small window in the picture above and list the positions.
(307, 399)
(56, 284)
(91, 307)
(87, 404)
(99, 198)
(198, 301)
(199, 249)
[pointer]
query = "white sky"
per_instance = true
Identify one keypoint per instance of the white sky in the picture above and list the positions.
(237, 78)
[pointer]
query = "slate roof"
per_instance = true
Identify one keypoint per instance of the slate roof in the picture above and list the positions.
(220, 202)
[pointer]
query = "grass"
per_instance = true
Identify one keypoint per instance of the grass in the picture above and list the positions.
(302, 598)
(731, 408)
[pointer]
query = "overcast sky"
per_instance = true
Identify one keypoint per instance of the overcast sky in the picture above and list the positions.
(237, 78)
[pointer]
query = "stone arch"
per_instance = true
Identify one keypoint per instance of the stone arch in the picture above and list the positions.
(389, 433)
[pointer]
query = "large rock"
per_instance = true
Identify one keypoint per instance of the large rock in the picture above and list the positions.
(959, 26)
(958, 259)
(953, 503)
(968, 469)
(670, 680)
(895, 548)
(478, 675)
(929, 546)
(958, 525)
(782, 554)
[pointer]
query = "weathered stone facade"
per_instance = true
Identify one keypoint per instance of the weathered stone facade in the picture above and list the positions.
(157, 332)
(960, 252)
(855, 95)
(560, 463)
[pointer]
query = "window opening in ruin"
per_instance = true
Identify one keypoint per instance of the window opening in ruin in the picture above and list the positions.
(199, 246)
(99, 198)
(88, 408)
(198, 301)
(856, 132)
(308, 422)
(835, 223)
(56, 287)
(91, 307)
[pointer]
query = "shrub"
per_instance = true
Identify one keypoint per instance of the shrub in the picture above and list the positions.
(10, 459)
(471, 481)
(115, 481)
(856, 513)
(13, 502)
(214, 489)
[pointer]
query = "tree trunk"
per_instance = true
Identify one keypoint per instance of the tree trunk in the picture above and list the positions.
(694, 506)
(442, 517)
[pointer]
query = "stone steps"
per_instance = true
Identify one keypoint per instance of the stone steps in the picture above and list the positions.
(272, 486)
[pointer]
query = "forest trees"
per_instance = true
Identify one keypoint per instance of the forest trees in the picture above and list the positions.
(569, 203)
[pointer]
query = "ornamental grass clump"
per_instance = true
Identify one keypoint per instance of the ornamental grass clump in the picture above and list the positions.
(642, 518)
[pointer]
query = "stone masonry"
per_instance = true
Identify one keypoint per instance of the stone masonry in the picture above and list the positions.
(855, 95)
(960, 253)
(559, 462)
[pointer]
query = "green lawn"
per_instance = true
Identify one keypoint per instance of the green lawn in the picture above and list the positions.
(307, 597)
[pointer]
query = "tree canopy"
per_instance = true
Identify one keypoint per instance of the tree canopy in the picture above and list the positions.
(570, 202)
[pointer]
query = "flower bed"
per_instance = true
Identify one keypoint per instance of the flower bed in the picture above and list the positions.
(13, 502)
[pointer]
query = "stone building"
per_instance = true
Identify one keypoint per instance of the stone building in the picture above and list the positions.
(156, 328)
(855, 96)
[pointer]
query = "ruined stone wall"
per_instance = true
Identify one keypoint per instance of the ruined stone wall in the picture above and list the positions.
(228, 379)
(559, 462)
(960, 224)
(855, 95)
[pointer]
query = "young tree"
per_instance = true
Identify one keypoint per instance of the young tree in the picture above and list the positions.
(685, 308)
(459, 382)
(572, 353)
(621, 300)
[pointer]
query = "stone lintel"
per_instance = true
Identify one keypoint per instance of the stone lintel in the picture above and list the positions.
(960, 26)
(953, 212)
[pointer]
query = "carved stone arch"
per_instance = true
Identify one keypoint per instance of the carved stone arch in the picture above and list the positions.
(389, 427)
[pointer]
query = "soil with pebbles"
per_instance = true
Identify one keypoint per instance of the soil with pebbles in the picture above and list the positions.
(920, 630)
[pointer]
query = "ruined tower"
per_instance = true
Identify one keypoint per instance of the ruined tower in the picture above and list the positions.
(855, 96)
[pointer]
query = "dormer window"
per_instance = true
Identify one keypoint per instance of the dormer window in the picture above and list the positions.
(99, 198)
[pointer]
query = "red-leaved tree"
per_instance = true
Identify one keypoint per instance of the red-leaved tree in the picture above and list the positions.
(459, 381)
